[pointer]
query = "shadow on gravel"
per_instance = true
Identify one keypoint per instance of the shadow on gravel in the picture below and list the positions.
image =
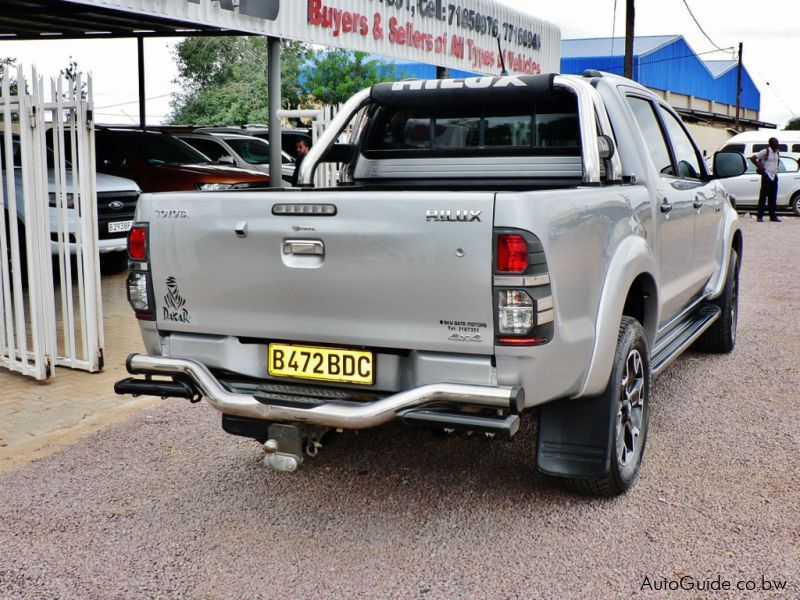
(401, 466)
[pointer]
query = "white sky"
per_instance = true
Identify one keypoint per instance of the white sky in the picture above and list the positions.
(770, 32)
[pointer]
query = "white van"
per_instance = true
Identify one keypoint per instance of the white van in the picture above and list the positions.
(750, 142)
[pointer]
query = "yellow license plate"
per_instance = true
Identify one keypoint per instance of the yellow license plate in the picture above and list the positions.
(322, 364)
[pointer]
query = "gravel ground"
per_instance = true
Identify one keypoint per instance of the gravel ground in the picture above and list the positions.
(166, 505)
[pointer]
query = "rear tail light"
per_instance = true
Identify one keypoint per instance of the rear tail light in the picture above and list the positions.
(139, 283)
(139, 292)
(515, 312)
(523, 298)
(512, 253)
(137, 243)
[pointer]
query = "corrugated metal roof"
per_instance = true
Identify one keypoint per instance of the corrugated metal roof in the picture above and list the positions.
(666, 63)
(718, 67)
(613, 46)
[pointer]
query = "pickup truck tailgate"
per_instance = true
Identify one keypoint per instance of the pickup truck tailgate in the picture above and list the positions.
(409, 270)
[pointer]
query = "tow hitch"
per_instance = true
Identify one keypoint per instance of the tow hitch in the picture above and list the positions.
(286, 444)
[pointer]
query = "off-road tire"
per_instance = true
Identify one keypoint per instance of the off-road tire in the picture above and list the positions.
(628, 431)
(720, 338)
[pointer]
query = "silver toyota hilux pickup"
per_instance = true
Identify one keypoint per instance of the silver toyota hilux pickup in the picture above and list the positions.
(494, 245)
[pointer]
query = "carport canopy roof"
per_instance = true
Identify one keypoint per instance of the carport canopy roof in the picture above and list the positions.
(60, 19)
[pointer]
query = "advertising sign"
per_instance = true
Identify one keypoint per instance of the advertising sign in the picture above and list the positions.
(470, 35)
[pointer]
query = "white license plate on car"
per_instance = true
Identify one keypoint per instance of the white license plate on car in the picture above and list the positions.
(119, 226)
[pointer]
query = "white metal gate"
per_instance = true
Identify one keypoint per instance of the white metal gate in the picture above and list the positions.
(49, 265)
(327, 174)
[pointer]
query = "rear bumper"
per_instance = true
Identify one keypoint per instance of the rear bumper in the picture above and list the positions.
(345, 415)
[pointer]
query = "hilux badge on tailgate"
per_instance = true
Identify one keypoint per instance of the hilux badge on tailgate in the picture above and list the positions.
(464, 216)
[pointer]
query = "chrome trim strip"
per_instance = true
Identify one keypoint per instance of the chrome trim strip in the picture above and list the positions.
(544, 317)
(519, 281)
(544, 303)
(331, 414)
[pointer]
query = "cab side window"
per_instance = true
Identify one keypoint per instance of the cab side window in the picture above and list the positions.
(686, 156)
(643, 112)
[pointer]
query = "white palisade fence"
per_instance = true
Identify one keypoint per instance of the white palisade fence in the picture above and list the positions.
(49, 265)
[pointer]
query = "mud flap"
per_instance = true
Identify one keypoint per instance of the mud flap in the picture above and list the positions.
(575, 438)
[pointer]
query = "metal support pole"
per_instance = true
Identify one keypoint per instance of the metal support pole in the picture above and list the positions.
(142, 113)
(739, 88)
(274, 99)
(630, 17)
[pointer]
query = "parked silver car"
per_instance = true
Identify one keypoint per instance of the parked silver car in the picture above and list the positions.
(745, 188)
(243, 151)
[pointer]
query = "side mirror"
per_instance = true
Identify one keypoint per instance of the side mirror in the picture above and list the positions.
(339, 153)
(729, 164)
(226, 160)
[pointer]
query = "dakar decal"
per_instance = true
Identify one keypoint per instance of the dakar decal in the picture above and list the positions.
(175, 304)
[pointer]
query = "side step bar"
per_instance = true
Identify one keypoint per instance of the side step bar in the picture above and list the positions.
(347, 415)
(683, 335)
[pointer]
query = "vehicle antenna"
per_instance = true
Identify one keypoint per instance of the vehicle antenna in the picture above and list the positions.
(503, 71)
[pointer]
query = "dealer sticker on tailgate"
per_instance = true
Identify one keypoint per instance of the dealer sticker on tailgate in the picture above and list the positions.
(322, 364)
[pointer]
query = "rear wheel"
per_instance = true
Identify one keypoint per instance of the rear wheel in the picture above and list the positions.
(596, 444)
(720, 338)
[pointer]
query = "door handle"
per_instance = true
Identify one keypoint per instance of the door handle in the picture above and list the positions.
(666, 206)
(698, 202)
(304, 247)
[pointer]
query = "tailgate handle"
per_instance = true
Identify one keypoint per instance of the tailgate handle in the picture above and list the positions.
(306, 247)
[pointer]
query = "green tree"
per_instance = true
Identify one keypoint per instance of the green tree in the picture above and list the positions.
(71, 73)
(224, 80)
(793, 124)
(333, 76)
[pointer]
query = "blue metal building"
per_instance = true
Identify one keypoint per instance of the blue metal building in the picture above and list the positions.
(664, 62)
(397, 69)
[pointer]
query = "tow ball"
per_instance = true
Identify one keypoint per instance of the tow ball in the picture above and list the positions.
(287, 444)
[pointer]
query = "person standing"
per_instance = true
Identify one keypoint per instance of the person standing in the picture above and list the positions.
(301, 149)
(766, 162)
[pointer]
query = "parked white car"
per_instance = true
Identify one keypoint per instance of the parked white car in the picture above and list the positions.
(750, 142)
(116, 203)
(745, 188)
(244, 151)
